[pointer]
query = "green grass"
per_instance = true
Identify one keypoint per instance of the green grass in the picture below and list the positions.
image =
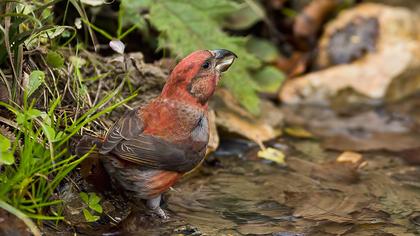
(35, 156)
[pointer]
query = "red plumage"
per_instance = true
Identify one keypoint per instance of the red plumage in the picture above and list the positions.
(149, 149)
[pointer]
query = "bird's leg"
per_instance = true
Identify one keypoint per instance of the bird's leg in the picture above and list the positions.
(154, 205)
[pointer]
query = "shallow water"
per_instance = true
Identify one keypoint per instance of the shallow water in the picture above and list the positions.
(312, 195)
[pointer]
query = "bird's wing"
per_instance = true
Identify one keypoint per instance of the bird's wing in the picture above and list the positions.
(153, 152)
(127, 141)
(128, 127)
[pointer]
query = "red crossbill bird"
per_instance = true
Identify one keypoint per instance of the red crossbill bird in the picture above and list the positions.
(148, 149)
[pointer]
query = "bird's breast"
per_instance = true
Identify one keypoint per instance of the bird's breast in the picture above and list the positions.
(200, 134)
(177, 122)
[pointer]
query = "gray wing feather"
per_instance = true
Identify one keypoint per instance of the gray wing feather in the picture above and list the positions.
(126, 140)
(128, 127)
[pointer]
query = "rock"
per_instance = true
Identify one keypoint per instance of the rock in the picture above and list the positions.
(364, 48)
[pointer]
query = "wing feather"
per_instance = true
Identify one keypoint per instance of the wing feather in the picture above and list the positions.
(127, 141)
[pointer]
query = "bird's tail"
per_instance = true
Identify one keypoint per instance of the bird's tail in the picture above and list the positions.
(88, 144)
(91, 168)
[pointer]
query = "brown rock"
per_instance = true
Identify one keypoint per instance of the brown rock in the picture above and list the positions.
(375, 58)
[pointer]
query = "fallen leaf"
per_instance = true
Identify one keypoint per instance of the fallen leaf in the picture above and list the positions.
(352, 157)
(231, 117)
(294, 65)
(298, 132)
(310, 19)
(272, 155)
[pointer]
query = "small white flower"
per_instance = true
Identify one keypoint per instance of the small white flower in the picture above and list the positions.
(117, 46)
(93, 3)
(78, 23)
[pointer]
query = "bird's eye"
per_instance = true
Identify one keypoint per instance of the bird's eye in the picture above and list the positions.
(206, 65)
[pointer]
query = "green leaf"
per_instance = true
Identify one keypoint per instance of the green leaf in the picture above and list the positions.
(59, 136)
(49, 132)
(187, 26)
(216, 9)
(36, 78)
(7, 158)
(130, 11)
(269, 79)
(33, 113)
(263, 49)
(20, 118)
(78, 62)
(96, 207)
(4, 143)
(85, 198)
(94, 199)
(54, 59)
(250, 13)
(243, 88)
(28, 114)
(45, 118)
(89, 217)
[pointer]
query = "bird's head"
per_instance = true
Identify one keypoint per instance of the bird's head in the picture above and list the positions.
(195, 77)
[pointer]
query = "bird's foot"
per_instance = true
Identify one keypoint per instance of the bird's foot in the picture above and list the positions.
(161, 213)
(154, 205)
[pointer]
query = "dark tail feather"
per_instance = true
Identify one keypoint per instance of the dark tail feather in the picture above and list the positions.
(91, 168)
(87, 143)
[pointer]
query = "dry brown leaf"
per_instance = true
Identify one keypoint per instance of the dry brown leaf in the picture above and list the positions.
(233, 118)
(298, 132)
(352, 157)
(309, 21)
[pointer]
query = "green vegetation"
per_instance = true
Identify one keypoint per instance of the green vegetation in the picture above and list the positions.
(37, 125)
(185, 26)
(92, 203)
(198, 27)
